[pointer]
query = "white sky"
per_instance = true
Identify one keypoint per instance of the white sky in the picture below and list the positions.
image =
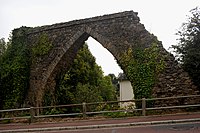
(160, 17)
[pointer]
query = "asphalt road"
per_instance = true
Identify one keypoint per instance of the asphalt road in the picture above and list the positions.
(125, 125)
(167, 128)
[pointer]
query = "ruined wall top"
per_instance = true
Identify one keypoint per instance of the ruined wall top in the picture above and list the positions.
(131, 14)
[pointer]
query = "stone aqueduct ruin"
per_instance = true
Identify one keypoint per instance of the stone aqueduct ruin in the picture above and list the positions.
(116, 32)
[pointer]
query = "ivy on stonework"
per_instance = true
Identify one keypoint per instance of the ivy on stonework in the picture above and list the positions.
(142, 67)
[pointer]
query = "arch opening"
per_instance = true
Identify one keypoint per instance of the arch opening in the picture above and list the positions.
(103, 57)
(71, 53)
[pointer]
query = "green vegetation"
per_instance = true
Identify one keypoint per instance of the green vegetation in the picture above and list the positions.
(2, 46)
(121, 114)
(143, 64)
(115, 83)
(14, 65)
(42, 46)
(84, 81)
(187, 50)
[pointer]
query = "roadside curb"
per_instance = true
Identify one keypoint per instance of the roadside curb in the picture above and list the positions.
(102, 126)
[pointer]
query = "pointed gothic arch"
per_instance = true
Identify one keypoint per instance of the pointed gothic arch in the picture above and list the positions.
(115, 32)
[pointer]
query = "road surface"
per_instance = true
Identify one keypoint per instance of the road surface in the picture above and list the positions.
(136, 124)
(166, 128)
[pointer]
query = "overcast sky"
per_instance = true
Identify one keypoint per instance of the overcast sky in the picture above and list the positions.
(161, 17)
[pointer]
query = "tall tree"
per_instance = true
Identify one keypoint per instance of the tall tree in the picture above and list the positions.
(187, 50)
(2, 51)
(115, 82)
(14, 65)
(2, 46)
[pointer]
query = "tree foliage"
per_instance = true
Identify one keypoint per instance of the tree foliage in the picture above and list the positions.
(187, 50)
(2, 50)
(2, 46)
(14, 72)
(115, 83)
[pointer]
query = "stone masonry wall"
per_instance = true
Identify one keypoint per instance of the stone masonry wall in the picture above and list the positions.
(174, 81)
(116, 32)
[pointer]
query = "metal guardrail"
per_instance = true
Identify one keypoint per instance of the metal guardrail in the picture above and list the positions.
(32, 110)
